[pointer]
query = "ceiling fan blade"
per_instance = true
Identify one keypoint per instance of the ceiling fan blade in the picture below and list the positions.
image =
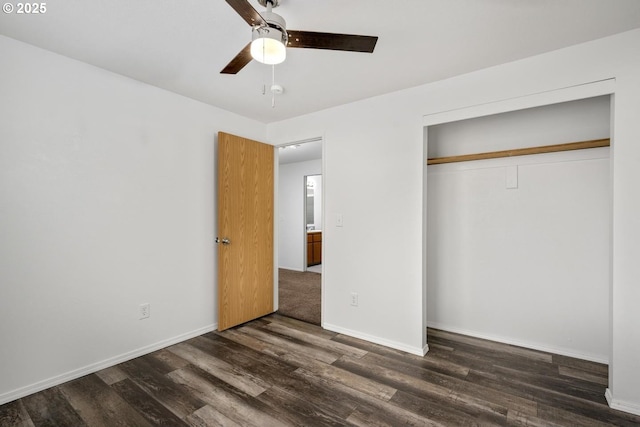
(331, 41)
(247, 12)
(239, 62)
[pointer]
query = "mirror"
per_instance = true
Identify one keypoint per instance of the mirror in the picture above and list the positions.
(313, 202)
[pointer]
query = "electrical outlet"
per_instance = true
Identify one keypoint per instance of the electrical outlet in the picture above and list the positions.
(354, 299)
(145, 311)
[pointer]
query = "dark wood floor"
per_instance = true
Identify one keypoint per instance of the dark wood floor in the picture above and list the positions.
(278, 371)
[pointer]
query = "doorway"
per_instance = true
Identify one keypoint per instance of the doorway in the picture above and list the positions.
(300, 221)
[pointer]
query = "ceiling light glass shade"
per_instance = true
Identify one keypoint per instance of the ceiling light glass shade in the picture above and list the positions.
(268, 46)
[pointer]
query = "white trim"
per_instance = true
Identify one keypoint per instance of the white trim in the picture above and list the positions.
(608, 396)
(619, 405)
(418, 351)
(276, 230)
(323, 253)
(553, 96)
(94, 367)
(526, 344)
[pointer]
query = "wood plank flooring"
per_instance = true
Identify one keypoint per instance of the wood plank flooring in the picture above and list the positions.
(278, 371)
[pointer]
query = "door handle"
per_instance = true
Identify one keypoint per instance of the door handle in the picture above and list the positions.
(224, 241)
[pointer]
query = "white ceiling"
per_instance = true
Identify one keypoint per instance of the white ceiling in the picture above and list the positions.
(181, 45)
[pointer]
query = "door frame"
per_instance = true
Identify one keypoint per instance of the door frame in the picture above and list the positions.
(551, 97)
(276, 222)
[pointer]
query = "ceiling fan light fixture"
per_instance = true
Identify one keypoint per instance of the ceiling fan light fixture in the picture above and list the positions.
(269, 45)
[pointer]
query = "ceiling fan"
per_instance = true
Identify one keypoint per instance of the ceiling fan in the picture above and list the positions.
(270, 37)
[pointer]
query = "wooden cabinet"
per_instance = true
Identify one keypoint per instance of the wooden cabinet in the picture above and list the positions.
(314, 248)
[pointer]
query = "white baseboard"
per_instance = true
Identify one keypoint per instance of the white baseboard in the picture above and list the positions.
(419, 351)
(94, 367)
(608, 396)
(519, 343)
(632, 408)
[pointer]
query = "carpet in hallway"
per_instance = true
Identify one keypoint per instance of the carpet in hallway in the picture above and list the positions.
(299, 295)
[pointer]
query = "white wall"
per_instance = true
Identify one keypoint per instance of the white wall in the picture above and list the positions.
(106, 202)
(526, 265)
(379, 251)
(372, 176)
(291, 200)
(582, 120)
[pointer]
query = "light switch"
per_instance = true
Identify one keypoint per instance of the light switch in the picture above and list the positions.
(339, 220)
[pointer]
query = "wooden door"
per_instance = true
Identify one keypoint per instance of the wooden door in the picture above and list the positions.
(245, 230)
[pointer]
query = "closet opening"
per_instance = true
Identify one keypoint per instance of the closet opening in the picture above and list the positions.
(518, 227)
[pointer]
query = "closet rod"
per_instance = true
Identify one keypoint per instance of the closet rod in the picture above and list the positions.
(596, 143)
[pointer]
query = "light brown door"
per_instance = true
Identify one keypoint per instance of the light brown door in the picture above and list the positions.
(245, 230)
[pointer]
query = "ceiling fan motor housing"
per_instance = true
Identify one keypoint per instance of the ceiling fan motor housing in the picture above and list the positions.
(275, 21)
(277, 28)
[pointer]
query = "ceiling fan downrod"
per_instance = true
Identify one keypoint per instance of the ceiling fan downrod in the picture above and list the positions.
(269, 3)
